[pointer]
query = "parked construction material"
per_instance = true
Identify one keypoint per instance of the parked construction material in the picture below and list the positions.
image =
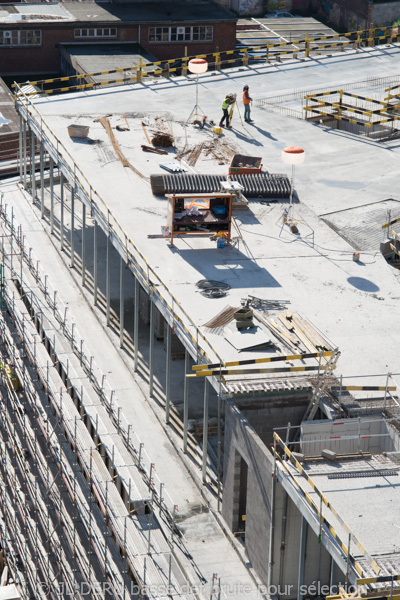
(242, 164)
(78, 131)
(259, 185)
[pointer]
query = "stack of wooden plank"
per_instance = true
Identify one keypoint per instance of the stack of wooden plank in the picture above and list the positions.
(294, 331)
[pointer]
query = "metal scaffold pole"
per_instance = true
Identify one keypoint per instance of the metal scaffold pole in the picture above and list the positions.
(95, 264)
(151, 349)
(62, 207)
(121, 302)
(83, 244)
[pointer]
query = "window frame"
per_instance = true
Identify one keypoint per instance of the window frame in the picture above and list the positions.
(15, 40)
(191, 34)
(98, 32)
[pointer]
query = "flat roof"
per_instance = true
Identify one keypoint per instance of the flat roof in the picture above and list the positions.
(356, 304)
(150, 12)
(137, 12)
(363, 494)
(23, 13)
(95, 58)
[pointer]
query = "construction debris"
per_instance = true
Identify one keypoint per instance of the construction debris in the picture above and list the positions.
(262, 304)
(145, 132)
(212, 288)
(125, 162)
(224, 317)
(152, 149)
(173, 166)
(165, 140)
(194, 154)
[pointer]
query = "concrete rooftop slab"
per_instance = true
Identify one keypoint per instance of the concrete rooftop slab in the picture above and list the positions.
(361, 500)
(354, 304)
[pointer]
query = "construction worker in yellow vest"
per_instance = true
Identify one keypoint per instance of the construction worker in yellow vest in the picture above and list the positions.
(228, 101)
(246, 103)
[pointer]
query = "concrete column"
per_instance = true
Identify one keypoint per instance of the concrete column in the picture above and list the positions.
(121, 303)
(205, 431)
(24, 152)
(332, 578)
(168, 374)
(186, 401)
(302, 557)
(62, 210)
(136, 326)
(95, 267)
(41, 180)
(151, 349)
(33, 174)
(51, 166)
(108, 280)
(83, 244)
(72, 227)
(21, 152)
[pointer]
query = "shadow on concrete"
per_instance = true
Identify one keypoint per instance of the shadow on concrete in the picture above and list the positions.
(264, 133)
(246, 138)
(229, 265)
(365, 285)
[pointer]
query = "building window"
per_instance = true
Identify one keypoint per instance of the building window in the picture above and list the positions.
(181, 34)
(21, 37)
(96, 32)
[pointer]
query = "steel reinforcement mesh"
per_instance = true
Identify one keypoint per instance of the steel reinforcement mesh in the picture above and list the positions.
(260, 185)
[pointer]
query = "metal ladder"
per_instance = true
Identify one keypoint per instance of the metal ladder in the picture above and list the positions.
(321, 386)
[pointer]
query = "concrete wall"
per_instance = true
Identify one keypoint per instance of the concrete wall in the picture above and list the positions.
(318, 435)
(252, 8)
(265, 414)
(287, 551)
(241, 441)
(385, 13)
(349, 15)
(273, 522)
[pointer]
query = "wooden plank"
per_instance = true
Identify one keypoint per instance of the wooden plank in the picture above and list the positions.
(275, 331)
(288, 320)
(146, 134)
(313, 335)
(286, 334)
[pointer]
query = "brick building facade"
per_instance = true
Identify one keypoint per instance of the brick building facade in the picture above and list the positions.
(31, 45)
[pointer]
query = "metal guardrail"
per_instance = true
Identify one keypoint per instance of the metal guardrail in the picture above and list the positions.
(148, 278)
(219, 60)
(371, 561)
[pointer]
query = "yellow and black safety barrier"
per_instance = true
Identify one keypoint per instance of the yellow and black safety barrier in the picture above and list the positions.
(392, 222)
(215, 59)
(395, 250)
(363, 596)
(321, 517)
(340, 117)
(348, 107)
(257, 361)
(372, 562)
(363, 388)
(379, 579)
(340, 105)
(217, 372)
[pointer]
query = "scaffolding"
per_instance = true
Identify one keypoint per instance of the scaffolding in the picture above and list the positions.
(79, 516)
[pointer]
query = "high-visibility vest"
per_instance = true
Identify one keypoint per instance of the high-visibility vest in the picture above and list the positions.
(226, 103)
(246, 100)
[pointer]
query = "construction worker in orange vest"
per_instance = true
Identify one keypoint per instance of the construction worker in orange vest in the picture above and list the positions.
(246, 103)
